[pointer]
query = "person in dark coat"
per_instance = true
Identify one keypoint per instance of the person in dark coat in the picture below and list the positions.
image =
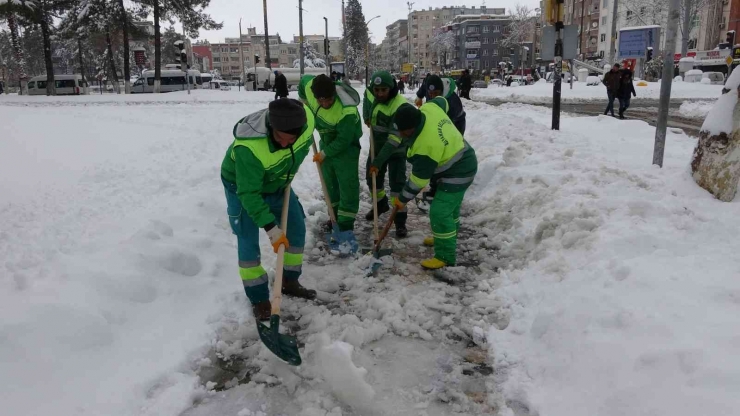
(612, 80)
(626, 92)
(466, 83)
(401, 87)
(509, 80)
(281, 86)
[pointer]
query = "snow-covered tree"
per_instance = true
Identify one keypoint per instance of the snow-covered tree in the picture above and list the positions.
(8, 11)
(654, 68)
(356, 38)
(443, 43)
(519, 30)
(310, 58)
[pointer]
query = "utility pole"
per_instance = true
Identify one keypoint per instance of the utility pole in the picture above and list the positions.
(558, 5)
(326, 45)
(674, 11)
(344, 34)
(267, 40)
(300, 36)
(241, 54)
(410, 4)
(613, 48)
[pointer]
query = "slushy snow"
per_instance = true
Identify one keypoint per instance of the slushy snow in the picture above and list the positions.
(595, 284)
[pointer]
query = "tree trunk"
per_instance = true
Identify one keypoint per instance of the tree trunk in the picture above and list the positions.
(157, 48)
(45, 32)
(82, 62)
(19, 57)
(126, 63)
(111, 61)
(686, 32)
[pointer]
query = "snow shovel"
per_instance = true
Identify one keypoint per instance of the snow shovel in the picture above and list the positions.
(377, 252)
(284, 346)
(335, 238)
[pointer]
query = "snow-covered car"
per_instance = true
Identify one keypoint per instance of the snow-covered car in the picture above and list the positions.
(593, 80)
(497, 82)
(480, 84)
(693, 75)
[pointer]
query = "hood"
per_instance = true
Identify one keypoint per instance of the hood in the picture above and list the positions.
(253, 126)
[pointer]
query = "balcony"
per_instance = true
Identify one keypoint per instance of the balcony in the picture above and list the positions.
(472, 56)
(473, 45)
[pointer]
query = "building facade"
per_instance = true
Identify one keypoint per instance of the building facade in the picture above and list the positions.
(586, 14)
(395, 54)
(480, 43)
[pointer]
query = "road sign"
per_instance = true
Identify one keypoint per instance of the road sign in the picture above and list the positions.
(729, 60)
(570, 42)
(409, 68)
(634, 42)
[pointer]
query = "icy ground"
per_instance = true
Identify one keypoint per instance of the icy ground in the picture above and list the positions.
(542, 92)
(590, 282)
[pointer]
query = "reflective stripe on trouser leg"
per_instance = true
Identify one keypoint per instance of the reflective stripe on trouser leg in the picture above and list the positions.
(293, 263)
(254, 279)
(444, 227)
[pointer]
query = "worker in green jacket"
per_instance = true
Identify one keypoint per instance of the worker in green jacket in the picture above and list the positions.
(379, 106)
(268, 148)
(438, 154)
(334, 105)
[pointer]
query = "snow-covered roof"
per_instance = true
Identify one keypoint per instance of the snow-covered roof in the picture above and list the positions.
(694, 72)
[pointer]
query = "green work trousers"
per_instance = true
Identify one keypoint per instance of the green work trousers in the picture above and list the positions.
(444, 216)
(341, 174)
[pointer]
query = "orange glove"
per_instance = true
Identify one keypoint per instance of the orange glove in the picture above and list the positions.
(374, 170)
(419, 102)
(398, 204)
(277, 238)
(319, 157)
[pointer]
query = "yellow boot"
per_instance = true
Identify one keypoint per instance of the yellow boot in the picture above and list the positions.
(429, 241)
(433, 264)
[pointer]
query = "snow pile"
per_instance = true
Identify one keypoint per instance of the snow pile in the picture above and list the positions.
(720, 119)
(613, 273)
(346, 380)
(696, 109)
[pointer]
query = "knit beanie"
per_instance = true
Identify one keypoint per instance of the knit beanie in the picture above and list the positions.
(381, 79)
(407, 117)
(287, 115)
(434, 83)
(323, 87)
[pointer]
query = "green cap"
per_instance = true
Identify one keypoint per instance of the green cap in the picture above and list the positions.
(381, 79)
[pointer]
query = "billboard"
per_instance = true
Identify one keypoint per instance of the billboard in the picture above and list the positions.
(407, 68)
(634, 41)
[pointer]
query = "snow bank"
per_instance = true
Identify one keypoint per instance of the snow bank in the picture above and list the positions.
(720, 118)
(617, 281)
(696, 109)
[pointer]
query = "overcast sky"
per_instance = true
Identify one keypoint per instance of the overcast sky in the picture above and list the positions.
(283, 15)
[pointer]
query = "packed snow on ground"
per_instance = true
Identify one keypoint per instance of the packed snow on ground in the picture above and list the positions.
(605, 285)
(696, 109)
(542, 92)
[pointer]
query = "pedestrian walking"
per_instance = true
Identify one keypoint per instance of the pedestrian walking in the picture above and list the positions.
(626, 92)
(334, 104)
(381, 101)
(438, 154)
(612, 80)
(466, 83)
(268, 148)
(281, 85)
(401, 87)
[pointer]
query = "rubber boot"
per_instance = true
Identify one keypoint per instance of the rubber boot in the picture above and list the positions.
(262, 311)
(400, 221)
(429, 241)
(382, 208)
(295, 289)
(433, 264)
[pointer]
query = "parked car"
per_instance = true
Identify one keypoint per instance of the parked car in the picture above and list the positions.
(693, 75)
(480, 84)
(219, 84)
(497, 82)
(715, 78)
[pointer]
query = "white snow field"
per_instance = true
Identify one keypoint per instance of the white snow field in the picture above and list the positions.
(542, 92)
(605, 285)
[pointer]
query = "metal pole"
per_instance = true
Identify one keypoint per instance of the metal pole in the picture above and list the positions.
(571, 73)
(408, 32)
(267, 41)
(184, 65)
(344, 35)
(674, 11)
(613, 46)
(241, 54)
(300, 36)
(326, 45)
(556, 76)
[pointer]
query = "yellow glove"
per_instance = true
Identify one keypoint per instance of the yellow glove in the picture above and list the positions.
(398, 204)
(419, 102)
(319, 157)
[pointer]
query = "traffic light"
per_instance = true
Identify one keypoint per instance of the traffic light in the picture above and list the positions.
(326, 47)
(256, 60)
(182, 56)
(554, 11)
(731, 38)
(649, 55)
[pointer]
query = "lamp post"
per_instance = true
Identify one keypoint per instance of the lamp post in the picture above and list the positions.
(367, 49)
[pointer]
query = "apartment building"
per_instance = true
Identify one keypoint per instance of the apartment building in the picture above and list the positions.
(424, 23)
(393, 54)
(586, 14)
(480, 41)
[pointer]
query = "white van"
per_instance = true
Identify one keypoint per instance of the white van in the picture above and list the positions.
(218, 84)
(65, 85)
(170, 80)
(715, 78)
(292, 76)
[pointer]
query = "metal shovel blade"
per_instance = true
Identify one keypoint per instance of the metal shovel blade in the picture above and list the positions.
(283, 346)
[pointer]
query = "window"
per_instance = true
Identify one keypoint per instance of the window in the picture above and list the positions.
(642, 10)
(495, 41)
(606, 3)
(485, 64)
(472, 52)
(32, 85)
(486, 29)
(224, 50)
(234, 50)
(235, 59)
(629, 14)
(485, 41)
(171, 80)
(234, 68)
(150, 81)
(473, 29)
(512, 51)
(496, 28)
(485, 52)
(66, 83)
(216, 59)
(603, 20)
(603, 37)
(40, 84)
(495, 52)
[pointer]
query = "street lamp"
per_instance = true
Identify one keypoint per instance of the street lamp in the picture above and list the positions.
(367, 49)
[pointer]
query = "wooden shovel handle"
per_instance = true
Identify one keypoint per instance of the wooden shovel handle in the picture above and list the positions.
(329, 207)
(277, 288)
(386, 229)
